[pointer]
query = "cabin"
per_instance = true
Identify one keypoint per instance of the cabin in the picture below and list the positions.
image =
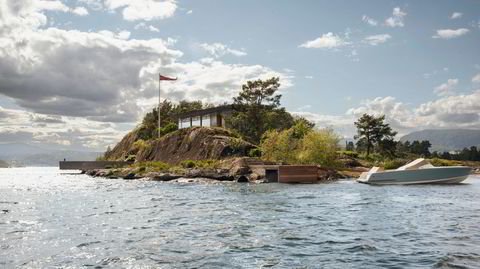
(209, 117)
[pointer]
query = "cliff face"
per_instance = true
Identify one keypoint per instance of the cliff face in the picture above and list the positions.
(197, 143)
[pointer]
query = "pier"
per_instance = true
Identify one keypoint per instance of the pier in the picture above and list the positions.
(88, 165)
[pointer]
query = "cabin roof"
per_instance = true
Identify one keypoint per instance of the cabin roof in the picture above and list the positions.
(206, 111)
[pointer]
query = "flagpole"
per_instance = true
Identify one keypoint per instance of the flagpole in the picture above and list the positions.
(159, 79)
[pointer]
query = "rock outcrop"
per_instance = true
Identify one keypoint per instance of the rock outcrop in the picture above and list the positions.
(197, 143)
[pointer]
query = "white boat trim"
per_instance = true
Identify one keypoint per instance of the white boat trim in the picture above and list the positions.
(443, 180)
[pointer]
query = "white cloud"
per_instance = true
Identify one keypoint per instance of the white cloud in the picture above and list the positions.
(397, 18)
(446, 88)
(124, 34)
(189, 12)
(326, 41)
(369, 20)
(133, 10)
(456, 15)
(80, 11)
(450, 33)
(144, 26)
(376, 39)
(476, 78)
(309, 77)
(219, 50)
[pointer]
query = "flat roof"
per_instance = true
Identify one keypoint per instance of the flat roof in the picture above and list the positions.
(206, 111)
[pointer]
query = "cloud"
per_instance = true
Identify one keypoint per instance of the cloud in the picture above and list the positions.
(376, 39)
(476, 78)
(218, 50)
(397, 18)
(80, 11)
(189, 12)
(456, 15)
(369, 20)
(133, 10)
(326, 41)
(309, 77)
(450, 33)
(446, 88)
(144, 26)
(305, 107)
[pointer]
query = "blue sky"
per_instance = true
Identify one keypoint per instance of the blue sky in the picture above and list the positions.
(80, 73)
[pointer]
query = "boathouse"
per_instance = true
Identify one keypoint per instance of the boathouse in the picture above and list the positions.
(209, 117)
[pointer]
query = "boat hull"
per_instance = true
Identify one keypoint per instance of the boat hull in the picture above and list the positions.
(436, 175)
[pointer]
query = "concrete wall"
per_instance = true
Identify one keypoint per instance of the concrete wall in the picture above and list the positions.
(87, 165)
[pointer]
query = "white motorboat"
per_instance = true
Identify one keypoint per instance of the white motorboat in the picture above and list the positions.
(419, 171)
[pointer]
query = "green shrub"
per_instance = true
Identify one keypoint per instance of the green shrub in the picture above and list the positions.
(255, 152)
(393, 164)
(442, 162)
(319, 147)
(158, 166)
(171, 127)
(140, 144)
(188, 164)
(315, 147)
(204, 164)
(348, 153)
(100, 158)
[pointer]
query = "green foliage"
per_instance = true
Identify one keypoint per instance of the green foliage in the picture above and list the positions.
(169, 128)
(149, 127)
(371, 131)
(348, 153)
(236, 144)
(255, 152)
(319, 147)
(350, 146)
(140, 144)
(393, 164)
(416, 147)
(302, 127)
(257, 109)
(157, 166)
(315, 147)
(442, 162)
(202, 164)
(279, 146)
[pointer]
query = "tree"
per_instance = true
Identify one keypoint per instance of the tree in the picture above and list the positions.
(257, 109)
(372, 130)
(350, 146)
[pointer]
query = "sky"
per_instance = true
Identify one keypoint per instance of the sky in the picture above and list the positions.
(79, 74)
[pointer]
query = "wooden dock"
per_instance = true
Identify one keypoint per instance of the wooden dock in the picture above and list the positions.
(88, 165)
(290, 173)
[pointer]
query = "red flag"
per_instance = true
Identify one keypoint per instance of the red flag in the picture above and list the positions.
(166, 78)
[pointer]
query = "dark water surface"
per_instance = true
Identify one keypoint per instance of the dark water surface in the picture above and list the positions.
(54, 220)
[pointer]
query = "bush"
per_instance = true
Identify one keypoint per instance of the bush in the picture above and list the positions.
(393, 164)
(171, 127)
(348, 153)
(158, 166)
(255, 152)
(140, 144)
(204, 164)
(130, 158)
(279, 146)
(319, 147)
(315, 147)
(442, 162)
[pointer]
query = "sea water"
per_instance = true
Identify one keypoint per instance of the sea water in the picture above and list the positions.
(53, 219)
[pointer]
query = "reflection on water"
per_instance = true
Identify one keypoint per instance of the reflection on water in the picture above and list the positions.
(50, 219)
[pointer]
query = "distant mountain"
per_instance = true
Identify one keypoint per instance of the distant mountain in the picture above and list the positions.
(29, 155)
(446, 139)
